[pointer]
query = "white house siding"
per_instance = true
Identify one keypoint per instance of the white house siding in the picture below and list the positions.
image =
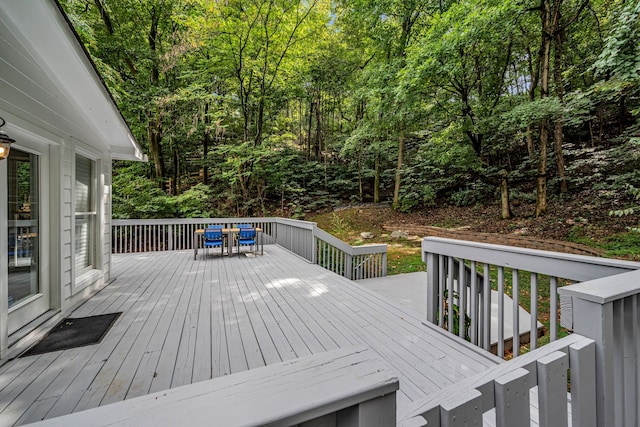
(54, 102)
(105, 189)
(67, 223)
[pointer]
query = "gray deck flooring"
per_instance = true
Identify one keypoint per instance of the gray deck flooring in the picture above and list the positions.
(188, 320)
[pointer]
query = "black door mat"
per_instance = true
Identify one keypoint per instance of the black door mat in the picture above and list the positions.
(74, 332)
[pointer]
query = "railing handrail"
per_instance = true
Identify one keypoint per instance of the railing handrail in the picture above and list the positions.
(307, 225)
(578, 268)
(332, 240)
(605, 289)
(369, 249)
(170, 221)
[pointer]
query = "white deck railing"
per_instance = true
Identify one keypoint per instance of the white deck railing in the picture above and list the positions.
(303, 238)
(607, 310)
(599, 363)
(530, 387)
(458, 270)
(603, 308)
(22, 240)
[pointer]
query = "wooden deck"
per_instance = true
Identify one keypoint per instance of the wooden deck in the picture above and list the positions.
(186, 321)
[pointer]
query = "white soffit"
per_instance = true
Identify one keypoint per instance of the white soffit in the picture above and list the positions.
(53, 83)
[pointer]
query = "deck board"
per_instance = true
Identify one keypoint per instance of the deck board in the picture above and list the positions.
(188, 320)
(202, 355)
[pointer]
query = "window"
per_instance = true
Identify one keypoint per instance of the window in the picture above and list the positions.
(85, 215)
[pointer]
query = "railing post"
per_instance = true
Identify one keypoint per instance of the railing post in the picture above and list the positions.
(384, 264)
(348, 268)
(607, 310)
(170, 237)
(433, 275)
(595, 321)
(313, 245)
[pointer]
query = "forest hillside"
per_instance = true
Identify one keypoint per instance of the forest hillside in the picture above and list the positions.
(292, 107)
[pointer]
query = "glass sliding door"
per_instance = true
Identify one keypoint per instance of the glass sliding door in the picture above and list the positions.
(23, 218)
(26, 297)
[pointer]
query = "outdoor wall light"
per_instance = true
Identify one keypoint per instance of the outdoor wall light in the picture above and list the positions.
(5, 142)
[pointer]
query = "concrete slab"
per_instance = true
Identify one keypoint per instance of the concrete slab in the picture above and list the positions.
(410, 290)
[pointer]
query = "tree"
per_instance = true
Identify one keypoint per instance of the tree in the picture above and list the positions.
(553, 32)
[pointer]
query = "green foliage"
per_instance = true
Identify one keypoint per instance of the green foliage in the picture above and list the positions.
(195, 203)
(529, 113)
(413, 196)
(340, 227)
(437, 170)
(456, 315)
(300, 106)
(621, 54)
(135, 196)
(635, 192)
(475, 193)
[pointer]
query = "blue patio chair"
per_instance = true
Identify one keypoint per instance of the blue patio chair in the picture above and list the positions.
(17, 246)
(212, 239)
(218, 227)
(244, 226)
(13, 247)
(247, 237)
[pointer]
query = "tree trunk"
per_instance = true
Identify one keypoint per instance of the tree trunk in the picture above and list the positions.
(545, 52)
(504, 197)
(259, 122)
(376, 180)
(558, 138)
(396, 190)
(300, 125)
(360, 186)
(318, 139)
(154, 133)
(530, 143)
(311, 105)
(541, 182)
(534, 70)
(557, 144)
(205, 144)
(176, 172)
(154, 125)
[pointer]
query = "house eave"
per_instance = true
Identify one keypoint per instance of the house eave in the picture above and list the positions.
(54, 84)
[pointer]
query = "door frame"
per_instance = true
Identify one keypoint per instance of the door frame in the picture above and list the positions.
(12, 320)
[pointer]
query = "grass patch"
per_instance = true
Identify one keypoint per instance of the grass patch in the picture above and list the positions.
(403, 255)
(404, 260)
(623, 245)
(580, 236)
